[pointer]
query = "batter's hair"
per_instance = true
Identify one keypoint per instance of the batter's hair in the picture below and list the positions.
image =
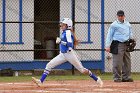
(75, 39)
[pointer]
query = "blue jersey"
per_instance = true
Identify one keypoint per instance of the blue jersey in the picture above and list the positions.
(67, 41)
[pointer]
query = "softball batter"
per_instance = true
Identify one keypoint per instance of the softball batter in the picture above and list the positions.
(67, 42)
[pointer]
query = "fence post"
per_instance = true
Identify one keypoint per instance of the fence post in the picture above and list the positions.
(102, 35)
(73, 19)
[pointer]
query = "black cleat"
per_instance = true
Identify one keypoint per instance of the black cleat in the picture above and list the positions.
(128, 80)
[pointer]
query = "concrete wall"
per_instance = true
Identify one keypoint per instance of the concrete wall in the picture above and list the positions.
(12, 30)
(131, 8)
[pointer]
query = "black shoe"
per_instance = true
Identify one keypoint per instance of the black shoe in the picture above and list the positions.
(128, 80)
(118, 80)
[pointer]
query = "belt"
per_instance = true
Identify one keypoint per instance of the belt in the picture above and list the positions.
(123, 42)
(120, 42)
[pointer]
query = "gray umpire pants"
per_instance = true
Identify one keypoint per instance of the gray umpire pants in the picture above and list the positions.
(121, 63)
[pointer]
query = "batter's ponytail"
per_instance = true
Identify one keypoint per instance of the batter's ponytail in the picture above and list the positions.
(75, 39)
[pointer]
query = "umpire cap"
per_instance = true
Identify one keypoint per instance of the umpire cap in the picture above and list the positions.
(120, 13)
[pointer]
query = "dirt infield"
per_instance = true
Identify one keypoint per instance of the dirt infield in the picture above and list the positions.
(71, 86)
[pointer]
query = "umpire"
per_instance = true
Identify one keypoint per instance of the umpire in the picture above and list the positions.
(118, 34)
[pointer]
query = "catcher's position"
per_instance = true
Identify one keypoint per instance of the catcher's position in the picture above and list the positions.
(67, 53)
(119, 42)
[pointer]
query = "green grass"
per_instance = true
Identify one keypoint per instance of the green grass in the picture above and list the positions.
(63, 77)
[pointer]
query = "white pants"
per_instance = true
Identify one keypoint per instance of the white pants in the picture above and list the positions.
(64, 57)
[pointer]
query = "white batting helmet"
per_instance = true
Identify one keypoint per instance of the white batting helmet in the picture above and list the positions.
(67, 21)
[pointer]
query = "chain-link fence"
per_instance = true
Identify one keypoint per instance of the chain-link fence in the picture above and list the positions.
(131, 12)
(29, 29)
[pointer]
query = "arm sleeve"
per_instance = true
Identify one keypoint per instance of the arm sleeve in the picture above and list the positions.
(109, 36)
(69, 38)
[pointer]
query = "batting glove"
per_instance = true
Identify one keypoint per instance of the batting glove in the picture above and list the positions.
(58, 40)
